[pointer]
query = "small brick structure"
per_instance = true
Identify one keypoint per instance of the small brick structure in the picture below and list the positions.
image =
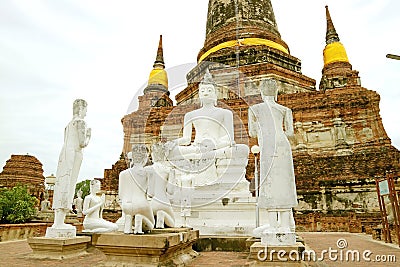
(24, 170)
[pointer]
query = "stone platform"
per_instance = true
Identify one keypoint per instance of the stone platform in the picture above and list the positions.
(58, 248)
(162, 247)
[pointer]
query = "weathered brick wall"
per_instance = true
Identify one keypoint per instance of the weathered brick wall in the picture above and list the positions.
(345, 222)
(22, 231)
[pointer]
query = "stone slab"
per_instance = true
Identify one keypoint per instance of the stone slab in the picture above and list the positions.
(162, 247)
(236, 218)
(60, 232)
(58, 248)
(273, 238)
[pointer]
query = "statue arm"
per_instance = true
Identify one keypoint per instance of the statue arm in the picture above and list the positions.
(187, 132)
(171, 182)
(252, 123)
(289, 123)
(229, 127)
(121, 188)
(84, 133)
(86, 206)
(151, 181)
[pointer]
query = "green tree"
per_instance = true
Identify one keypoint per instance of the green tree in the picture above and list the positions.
(16, 205)
(84, 186)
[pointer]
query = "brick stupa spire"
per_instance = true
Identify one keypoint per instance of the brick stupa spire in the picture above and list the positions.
(248, 22)
(156, 93)
(337, 71)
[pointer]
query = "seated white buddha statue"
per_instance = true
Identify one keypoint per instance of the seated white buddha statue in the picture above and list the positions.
(132, 190)
(93, 210)
(214, 138)
(161, 188)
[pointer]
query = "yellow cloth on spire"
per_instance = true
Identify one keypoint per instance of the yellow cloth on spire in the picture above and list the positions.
(244, 42)
(335, 52)
(158, 76)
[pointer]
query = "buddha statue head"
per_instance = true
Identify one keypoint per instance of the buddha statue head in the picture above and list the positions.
(139, 155)
(269, 88)
(207, 90)
(79, 108)
(95, 186)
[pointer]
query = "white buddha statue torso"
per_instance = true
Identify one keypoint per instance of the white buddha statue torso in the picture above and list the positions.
(132, 191)
(93, 210)
(161, 188)
(214, 138)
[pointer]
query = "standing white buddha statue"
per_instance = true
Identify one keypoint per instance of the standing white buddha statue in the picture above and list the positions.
(272, 124)
(76, 137)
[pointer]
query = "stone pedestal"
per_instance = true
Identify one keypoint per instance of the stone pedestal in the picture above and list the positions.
(61, 232)
(162, 247)
(233, 217)
(58, 248)
(273, 238)
(281, 256)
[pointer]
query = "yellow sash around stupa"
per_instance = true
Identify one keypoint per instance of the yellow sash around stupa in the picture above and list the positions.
(244, 42)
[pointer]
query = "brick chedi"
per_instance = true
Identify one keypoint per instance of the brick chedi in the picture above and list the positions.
(340, 142)
(244, 43)
(23, 170)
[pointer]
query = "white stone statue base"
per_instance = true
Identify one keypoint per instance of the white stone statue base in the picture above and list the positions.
(235, 218)
(276, 238)
(69, 232)
(58, 248)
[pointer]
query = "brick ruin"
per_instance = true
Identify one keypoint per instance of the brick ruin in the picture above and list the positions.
(340, 142)
(23, 170)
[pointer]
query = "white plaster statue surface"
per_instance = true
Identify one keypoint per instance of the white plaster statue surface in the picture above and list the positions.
(132, 190)
(45, 205)
(93, 210)
(272, 124)
(78, 202)
(76, 137)
(214, 136)
(161, 187)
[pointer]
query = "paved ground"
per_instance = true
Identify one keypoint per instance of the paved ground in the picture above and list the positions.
(14, 253)
(377, 253)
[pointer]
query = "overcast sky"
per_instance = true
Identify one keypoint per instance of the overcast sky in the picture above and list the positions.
(54, 51)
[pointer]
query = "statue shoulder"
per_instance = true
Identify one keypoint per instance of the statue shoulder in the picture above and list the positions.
(124, 172)
(256, 107)
(79, 122)
(225, 111)
(190, 115)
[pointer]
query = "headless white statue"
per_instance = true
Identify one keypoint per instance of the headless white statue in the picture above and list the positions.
(277, 182)
(161, 188)
(78, 202)
(214, 134)
(76, 137)
(132, 190)
(93, 210)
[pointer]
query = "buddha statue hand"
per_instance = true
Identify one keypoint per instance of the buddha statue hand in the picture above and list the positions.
(207, 145)
(169, 146)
